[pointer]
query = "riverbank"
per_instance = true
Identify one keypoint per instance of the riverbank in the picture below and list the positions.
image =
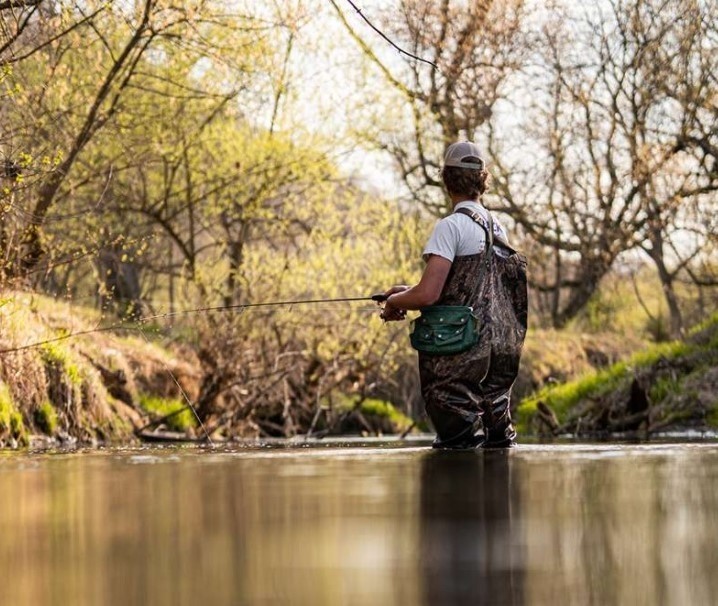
(100, 386)
(667, 386)
(68, 375)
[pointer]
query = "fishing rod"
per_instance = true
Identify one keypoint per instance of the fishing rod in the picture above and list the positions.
(377, 297)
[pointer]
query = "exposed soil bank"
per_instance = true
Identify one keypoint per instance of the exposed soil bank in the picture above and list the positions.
(113, 385)
(90, 388)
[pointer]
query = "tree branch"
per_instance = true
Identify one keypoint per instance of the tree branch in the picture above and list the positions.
(378, 31)
(8, 4)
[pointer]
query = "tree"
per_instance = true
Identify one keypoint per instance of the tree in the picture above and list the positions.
(86, 82)
(607, 168)
(475, 47)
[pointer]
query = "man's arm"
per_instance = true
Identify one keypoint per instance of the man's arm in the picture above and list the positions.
(425, 293)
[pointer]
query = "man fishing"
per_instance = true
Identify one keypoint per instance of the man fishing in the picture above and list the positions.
(472, 276)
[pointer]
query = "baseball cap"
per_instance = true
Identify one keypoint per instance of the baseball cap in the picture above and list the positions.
(464, 154)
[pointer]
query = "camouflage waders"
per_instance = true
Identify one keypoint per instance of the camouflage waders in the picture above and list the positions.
(465, 391)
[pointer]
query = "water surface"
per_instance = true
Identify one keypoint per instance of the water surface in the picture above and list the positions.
(358, 524)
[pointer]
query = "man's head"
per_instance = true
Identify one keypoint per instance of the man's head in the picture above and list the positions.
(464, 171)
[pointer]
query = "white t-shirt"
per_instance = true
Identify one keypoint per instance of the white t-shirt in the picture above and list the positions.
(458, 235)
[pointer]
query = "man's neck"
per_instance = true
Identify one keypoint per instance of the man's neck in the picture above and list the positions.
(459, 199)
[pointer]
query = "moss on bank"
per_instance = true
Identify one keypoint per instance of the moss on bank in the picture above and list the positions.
(173, 412)
(675, 379)
(12, 427)
(56, 354)
(46, 418)
(380, 409)
(369, 416)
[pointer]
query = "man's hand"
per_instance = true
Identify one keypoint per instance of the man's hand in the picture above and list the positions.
(395, 289)
(390, 313)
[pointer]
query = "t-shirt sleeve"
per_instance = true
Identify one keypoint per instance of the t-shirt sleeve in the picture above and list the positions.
(444, 241)
(500, 231)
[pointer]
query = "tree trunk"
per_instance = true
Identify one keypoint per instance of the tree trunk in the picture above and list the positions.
(655, 252)
(589, 278)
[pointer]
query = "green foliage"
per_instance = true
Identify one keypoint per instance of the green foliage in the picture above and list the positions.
(11, 421)
(55, 353)
(182, 417)
(386, 410)
(46, 418)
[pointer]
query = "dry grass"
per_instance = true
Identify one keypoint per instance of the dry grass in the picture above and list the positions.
(92, 381)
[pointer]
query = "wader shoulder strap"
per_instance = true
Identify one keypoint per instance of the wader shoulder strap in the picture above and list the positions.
(488, 227)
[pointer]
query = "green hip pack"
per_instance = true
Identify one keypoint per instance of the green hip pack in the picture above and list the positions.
(444, 330)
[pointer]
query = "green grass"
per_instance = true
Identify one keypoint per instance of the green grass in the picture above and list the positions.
(54, 353)
(182, 417)
(562, 398)
(11, 421)
(652, 354)
(46, 418)
(662, 388)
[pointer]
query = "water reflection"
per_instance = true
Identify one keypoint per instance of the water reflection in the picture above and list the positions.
(470, 551)
(538, 525)
(621, 525)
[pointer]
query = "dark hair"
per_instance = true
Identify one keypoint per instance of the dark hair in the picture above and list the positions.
(465, 181)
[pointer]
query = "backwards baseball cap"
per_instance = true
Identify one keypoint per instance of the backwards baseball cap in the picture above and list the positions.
(464, 154)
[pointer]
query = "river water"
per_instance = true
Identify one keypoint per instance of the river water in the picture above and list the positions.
(374, 524)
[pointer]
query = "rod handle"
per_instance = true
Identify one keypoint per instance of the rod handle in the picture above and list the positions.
(379, 297)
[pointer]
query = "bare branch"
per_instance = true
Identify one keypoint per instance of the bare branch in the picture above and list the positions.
(383, 35)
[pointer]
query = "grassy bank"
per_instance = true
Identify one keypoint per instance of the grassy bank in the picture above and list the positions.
(106, 385)
(665, 385)
(89, 388)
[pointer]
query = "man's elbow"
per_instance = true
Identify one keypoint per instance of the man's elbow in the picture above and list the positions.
(428, 297)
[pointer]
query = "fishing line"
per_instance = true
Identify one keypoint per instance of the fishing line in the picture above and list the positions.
(219, 308)
(377, 297)
(181, 390)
